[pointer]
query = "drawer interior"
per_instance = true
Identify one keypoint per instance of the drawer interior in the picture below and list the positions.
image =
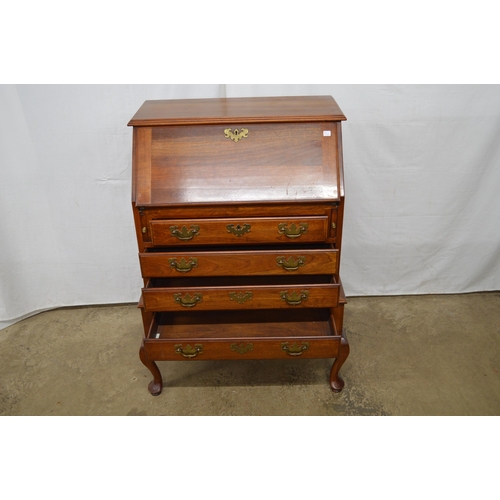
(241, 281)
(238, 248)
(241, 324)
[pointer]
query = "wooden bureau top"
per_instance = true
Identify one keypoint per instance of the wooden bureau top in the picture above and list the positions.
(231, 110)
(186, 151)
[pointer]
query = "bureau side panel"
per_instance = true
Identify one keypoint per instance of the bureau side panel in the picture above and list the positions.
(142, 165)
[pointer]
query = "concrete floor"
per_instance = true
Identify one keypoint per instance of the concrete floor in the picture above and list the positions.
(418, 355)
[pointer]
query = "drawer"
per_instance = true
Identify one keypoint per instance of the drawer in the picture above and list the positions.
(237, 293)
(234, 262)
(242, 335)
(239, 231)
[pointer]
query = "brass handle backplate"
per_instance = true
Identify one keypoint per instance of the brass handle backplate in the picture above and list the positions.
(295, 349)
(188, 351)
(183, 266)
(290, 264)
(242, 348)
(238, 230)
(187, 300)
(240, 297)
(184, 234)
(237, 135)
(295, 298)
(293, 231)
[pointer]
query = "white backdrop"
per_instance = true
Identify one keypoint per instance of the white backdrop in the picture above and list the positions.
(422, 175)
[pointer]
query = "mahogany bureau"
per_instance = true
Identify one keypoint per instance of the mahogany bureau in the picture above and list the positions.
(238, 207)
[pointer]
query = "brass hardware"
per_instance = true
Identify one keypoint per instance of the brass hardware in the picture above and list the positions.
(144, 230)
(295, 298)
(187, 300)
(291, 264)
(185, 233)
(293, 231)
(188, 351)
(240, 297)
(238, 230)
(242, 348)
(237, 135)
(334, 226)
(295, 349)
(183, 266)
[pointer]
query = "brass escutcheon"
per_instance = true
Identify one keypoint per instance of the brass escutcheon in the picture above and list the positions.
(295, 298)
(238, 230)
(237, 135)
(240, 297)
(184, 234)
(293, 231)
(188, 351)
(295, 349)
(187, 300)
(183, 266)
(290, 264)
(242, 348)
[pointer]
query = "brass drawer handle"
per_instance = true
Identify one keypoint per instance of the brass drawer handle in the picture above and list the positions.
(184, 234)
(290, 264)
(237, 135)
(183, 266)
(240, 297)
(295, 349)
(242, 348)
(187, 300)
(294, 231)
(295, 298)
(238, 230)
(188, 351)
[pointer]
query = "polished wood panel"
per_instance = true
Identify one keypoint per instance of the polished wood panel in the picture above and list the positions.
(260, 230)
(164, 350)
(240, 210)
(241, 296)
(285, 162)
(231, 110)
(237, 262)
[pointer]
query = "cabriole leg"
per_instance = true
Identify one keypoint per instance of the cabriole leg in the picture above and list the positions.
(155, 386)
(336, 383)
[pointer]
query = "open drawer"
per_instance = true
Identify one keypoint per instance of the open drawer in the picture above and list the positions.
(271, 334)
(231, 293)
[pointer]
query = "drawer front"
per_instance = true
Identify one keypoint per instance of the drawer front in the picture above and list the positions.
(239, 263)
(209, 298)
(238, 348)
(239, 231)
